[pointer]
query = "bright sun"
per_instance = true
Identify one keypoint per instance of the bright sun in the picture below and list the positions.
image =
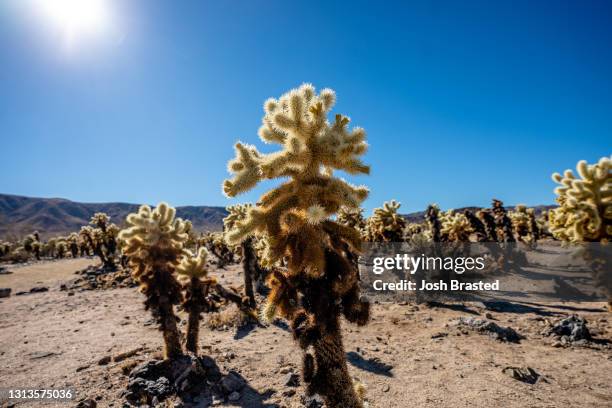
(75, 18)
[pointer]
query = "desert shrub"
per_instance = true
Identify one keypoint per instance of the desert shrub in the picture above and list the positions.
(319, 283)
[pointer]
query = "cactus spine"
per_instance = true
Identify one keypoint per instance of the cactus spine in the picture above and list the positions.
(319, 283)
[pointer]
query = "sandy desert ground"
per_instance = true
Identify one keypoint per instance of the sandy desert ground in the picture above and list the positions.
(408, 356)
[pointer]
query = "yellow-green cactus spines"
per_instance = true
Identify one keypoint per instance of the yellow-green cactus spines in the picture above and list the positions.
(585, 212)
(585, 203)
(524, 224)
(192, 274)
(455, 227)
(319, 283)
(386, 224)
(153, 242)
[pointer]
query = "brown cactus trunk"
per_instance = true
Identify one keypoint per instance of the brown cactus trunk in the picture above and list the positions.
(335, 383)
(249, 266)
(172, 342)
(193, 322)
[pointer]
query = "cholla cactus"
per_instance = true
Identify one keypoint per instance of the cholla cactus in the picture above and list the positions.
(524, 224)
(351, 217)
(319, 283)
(504, 225)
(251, 269)
(60, 249)
(585, 212)
(432, 215)
(455, 227)
(478, 226)
(386, 224)
(192, 273)
(5, 248)
(73, 244)
(32, 244)
(153, 242)
(102, 238)
(486, 216)
(217, 245)
(585, 203)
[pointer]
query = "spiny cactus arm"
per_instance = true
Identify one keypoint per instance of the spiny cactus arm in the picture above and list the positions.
(246, 168)
(193, 266)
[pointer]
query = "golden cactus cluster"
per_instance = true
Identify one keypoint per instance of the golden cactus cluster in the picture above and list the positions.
(386, 224)
(585, 203)
(455, 227)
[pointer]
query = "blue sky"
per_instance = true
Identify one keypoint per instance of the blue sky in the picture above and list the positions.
(462, 100)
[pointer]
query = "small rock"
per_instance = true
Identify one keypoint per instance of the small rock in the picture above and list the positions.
(104, 360)
(386, 388)
(292, 380)
(88, 403)
(234, 396)
(83, 367)
(314, 401)
(232, 382)
(439, 335)
(288, 393)
(525, 374)
(5, 292)
(571, 329)
(38, 289)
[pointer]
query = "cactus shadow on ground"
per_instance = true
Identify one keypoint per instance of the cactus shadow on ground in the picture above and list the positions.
(372, 365)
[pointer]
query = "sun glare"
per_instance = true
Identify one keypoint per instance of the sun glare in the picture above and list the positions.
(75, 18)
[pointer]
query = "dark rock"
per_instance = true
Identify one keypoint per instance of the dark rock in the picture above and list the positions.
(292, 380)
(571, 330)
(288, 393)
(525, 374)
(313, 401)
(5, 292)
(501, 333)
(88, 403)
(38, 289)
(21, 293)
(232, 382)
(104, 360)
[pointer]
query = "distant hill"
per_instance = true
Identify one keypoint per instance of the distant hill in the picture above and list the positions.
(420, 215)
(20, 216)
(56, 216)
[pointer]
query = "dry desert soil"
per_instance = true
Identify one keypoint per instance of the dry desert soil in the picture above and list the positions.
(408, 356)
